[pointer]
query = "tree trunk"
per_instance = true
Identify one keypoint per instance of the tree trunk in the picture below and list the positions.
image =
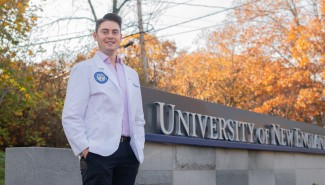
(143, 52)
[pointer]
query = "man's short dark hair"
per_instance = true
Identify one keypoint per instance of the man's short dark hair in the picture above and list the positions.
(109, 17)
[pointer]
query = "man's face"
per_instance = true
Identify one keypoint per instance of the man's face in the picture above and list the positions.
(108, 37)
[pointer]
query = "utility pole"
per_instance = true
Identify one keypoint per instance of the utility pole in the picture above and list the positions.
(143, 51)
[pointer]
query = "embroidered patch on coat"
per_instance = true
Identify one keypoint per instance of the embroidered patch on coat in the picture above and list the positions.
(100, 77)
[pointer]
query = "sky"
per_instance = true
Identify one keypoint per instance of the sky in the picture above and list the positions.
(185, 35)
(181, 21)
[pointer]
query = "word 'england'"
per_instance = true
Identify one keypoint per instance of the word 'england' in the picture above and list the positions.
(181, 123)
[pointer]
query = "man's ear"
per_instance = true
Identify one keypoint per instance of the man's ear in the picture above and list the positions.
(95, 36)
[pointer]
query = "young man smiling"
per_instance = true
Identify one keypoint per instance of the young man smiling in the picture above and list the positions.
(103, 115)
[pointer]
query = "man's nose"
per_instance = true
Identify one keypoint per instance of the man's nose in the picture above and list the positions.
(109, 35)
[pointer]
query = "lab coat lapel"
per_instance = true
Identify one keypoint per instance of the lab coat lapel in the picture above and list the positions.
(101, 65)
(129, 84)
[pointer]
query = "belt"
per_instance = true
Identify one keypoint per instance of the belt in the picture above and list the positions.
(124, 138)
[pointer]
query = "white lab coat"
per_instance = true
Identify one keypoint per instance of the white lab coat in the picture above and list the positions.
(93, 111)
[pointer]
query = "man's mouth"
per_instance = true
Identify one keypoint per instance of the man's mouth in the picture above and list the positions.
(110, 42)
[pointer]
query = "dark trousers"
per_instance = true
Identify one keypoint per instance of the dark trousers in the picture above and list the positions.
(120, 168)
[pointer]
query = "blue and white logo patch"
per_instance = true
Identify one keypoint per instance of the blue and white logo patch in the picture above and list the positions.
(100, 77)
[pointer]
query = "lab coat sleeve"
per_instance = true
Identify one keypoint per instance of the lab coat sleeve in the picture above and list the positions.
(139, 117)
(75, 105)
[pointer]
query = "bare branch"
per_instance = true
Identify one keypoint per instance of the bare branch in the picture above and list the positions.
(64, 19)
(119, 8)
(92, 9)
(58, 40)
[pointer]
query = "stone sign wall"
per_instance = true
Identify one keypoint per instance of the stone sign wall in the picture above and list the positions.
(193, 142)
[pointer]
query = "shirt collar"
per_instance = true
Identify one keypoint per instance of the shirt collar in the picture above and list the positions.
(106, 59)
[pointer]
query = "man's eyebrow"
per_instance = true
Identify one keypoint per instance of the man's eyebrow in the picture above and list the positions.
(105, 29)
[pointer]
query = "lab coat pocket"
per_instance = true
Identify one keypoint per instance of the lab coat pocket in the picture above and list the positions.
(135, 85)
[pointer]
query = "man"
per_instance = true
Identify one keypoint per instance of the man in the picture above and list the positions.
(103, 115)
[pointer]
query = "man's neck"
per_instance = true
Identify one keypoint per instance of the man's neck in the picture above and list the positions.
(112, 57)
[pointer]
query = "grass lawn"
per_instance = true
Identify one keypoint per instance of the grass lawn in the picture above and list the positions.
(2, 168)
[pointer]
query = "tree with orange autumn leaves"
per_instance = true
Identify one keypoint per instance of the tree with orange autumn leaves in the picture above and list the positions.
(269, 58)
(159, 53)
(17, 18)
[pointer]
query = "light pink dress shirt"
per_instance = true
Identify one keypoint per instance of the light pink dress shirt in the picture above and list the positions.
(119, 74)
